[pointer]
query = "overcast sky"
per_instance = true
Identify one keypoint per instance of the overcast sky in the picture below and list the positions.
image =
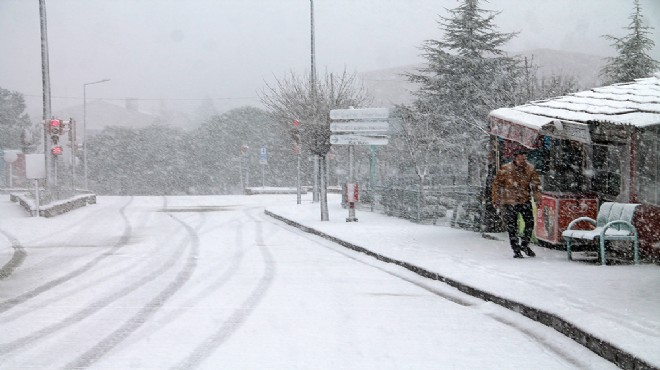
(181, 52)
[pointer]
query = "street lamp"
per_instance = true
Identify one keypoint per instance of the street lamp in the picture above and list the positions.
(85, 125)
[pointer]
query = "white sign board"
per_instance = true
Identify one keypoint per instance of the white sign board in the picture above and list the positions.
(358, 140)
(35, 166)
(263, 156)
(357, 126)
(363, 113)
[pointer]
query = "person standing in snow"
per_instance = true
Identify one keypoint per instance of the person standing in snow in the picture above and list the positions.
(513, 187)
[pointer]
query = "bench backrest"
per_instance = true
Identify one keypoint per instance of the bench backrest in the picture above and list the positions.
(611, 211)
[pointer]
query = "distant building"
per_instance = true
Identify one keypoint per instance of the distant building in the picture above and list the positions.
(102, 114)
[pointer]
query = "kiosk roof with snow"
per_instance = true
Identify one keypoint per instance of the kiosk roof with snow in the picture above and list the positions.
(634, 104)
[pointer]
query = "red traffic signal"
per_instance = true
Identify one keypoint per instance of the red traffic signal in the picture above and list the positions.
(55, 127)
(296, 123)
(56, 150)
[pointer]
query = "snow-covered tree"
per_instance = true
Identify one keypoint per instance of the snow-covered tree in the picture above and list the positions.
(147, 161)
(632, 60)
(467, 74)
(219, 162)
(14, 122)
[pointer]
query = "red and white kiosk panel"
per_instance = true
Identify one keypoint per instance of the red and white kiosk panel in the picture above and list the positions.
(557, 210)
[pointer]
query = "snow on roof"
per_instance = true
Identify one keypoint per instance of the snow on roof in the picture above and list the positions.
(633, 103)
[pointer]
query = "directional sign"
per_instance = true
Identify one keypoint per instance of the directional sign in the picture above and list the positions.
(263, 156)
(358, 126)
(363, 113)
(358, 140)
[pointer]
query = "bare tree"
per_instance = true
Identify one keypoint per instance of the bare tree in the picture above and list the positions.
(294, 97)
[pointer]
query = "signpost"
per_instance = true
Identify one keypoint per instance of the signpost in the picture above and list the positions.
(366, 126)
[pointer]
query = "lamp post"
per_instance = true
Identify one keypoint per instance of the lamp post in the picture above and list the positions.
(85, 125)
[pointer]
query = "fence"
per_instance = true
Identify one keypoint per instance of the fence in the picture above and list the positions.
(453, 205)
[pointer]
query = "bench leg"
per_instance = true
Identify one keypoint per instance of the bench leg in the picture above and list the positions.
(602, 250)
(568, 248)
(636, 251)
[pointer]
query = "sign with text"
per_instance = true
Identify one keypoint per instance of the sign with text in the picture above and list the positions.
(263, 155)
(359, 126)
(359, 114)
(358, 140)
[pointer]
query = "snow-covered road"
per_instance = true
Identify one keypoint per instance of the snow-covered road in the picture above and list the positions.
(211, 282)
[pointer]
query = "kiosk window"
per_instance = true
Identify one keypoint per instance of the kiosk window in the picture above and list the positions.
(563, 170)
(607, 168)
(648, 167)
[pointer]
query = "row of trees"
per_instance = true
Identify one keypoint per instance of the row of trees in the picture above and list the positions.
(160, 159)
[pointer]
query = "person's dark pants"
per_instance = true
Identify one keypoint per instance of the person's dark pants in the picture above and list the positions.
(511, 220)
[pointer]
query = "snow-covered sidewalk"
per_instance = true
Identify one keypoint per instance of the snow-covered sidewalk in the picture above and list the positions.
(618, 304)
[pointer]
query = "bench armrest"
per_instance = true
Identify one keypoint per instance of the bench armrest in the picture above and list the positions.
(580, 219)
(632, 228)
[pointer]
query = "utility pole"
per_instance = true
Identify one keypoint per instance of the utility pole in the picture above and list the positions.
(312, 79)
(45, 81)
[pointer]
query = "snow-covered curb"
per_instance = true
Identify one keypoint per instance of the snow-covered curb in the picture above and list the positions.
(55, 208)
(605, 349)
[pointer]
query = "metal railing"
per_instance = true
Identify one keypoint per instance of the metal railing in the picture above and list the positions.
(452, 205)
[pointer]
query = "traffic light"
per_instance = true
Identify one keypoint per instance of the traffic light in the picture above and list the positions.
(56, 150)
(295, 132)
(55, 129)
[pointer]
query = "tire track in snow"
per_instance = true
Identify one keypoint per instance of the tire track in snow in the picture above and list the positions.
(209, 289)
(88, 284)
(47, 237)
(240, 315)
(129, 327)
(91, 309)
(123, 240)
(17, 258)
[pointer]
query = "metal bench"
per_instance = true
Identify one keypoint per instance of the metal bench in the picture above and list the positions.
(614, 222)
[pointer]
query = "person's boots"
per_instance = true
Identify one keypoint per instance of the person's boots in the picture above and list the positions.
(517, 254)
(529, 252)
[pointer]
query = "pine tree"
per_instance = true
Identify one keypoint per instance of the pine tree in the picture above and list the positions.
(467, 73)
(632, 60)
